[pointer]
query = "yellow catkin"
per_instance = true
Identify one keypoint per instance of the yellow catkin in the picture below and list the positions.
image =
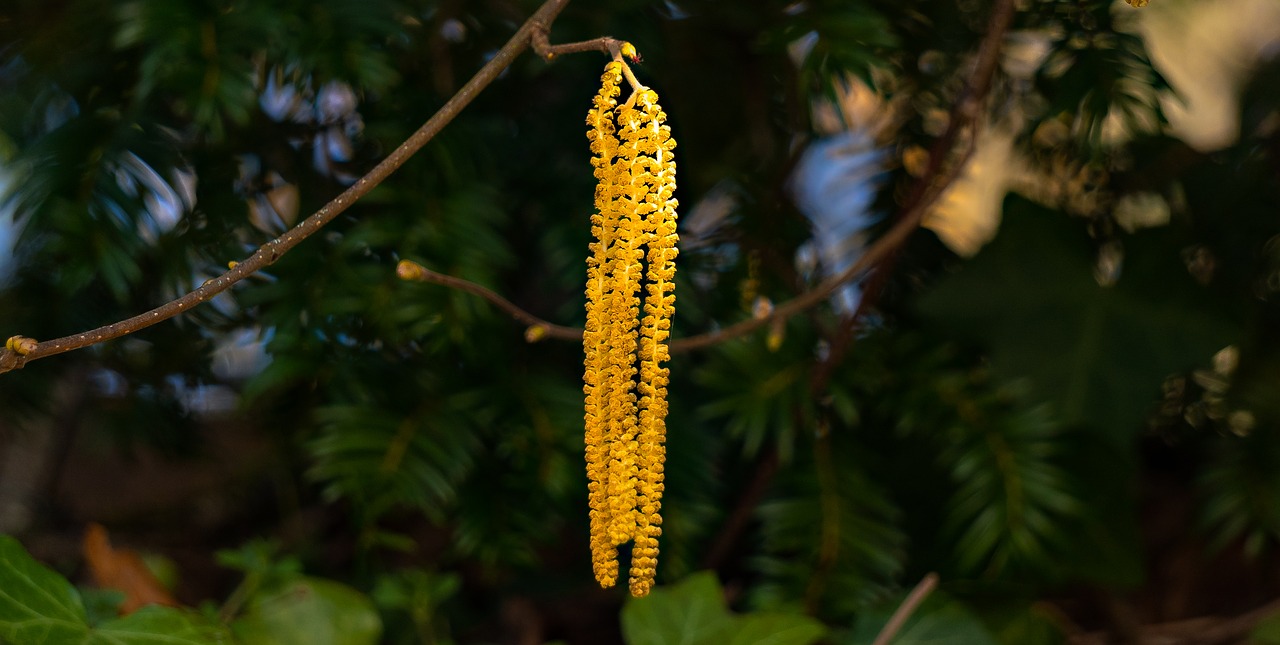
(625, 382)
(659, 306)
(595, 339)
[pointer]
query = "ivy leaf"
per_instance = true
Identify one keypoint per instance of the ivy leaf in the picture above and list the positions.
(939, 619)
(689, 613)
(39, 606)
(36, 604)
(157, 625)
(693, 612)
(1099, 353)
(309, 611)
(776, 629)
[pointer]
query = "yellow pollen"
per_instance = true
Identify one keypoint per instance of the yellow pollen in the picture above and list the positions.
(625, 382)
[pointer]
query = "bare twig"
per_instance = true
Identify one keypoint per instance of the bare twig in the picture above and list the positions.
(904, 611)
(533, 33)
(543, 47)
(945, 165)
(17, 354)
(538, 328)
(928, 188)
(616, 49)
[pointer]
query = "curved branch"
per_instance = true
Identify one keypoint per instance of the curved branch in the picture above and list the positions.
(12, 357)
(935, 180)
(945, 165)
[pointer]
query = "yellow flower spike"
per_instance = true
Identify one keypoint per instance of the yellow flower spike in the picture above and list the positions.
(625, 338)
(599, 373)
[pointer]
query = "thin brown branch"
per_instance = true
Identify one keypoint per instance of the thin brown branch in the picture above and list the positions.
(538, 328)
(927, 189)
(543, 47)
(12, 358)
(945, 165)
(904, 611)
(533, 33)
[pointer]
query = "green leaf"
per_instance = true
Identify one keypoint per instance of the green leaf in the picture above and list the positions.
(938, 620)
(101, 605)
(39, 606)
(157, 625)
(309, 611)
(1268, 630)
(36, 604)
(776, 629)
(689, 613)
(1099, 353)
(1032, 626)
(693, 612)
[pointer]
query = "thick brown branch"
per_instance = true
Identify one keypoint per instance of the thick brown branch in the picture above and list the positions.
(538, 328)
(273, 250)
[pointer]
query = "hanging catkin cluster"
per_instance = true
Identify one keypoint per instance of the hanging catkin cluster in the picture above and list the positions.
(634, 245)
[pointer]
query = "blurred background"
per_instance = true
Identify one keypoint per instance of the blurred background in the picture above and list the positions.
(1062, 395)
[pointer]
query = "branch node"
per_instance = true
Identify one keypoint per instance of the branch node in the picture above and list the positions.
(612, 47)
(408, 270)
(539, 41)
(21, 345)
(535, 333)
(11, 360)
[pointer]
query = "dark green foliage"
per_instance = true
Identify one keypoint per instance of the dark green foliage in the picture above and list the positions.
(1098, 69)
(988, 419)
(764, 394)
(830, 541)
(833, 38)
(1011, 492)
(420, 597)
(1242, 493)
(1097, 351)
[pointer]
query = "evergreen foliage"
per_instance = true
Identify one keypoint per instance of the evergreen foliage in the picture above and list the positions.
(997, 419)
